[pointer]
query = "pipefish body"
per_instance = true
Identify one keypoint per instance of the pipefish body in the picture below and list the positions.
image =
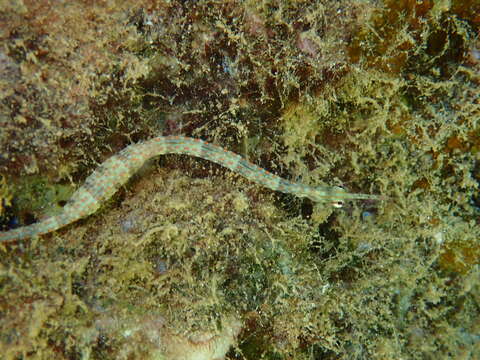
(116, 170)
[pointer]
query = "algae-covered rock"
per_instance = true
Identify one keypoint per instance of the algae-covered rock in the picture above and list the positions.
(189, 260)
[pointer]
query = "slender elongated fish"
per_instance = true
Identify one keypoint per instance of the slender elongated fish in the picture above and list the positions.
(116, 170)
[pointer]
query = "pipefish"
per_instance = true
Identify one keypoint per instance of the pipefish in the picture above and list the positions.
(116, 170)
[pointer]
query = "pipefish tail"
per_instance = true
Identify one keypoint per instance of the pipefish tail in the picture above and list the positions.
(116, 170)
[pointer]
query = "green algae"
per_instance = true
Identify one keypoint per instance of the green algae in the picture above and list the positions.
(376, 98)
(40, 197)
(5, 195)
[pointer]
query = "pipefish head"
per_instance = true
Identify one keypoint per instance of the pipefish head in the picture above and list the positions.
(336, 195)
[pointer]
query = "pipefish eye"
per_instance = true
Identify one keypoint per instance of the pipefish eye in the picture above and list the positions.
(337, 195)
(337, 204)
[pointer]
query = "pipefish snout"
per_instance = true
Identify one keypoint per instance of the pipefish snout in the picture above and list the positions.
(336, 195)
(116, 170)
